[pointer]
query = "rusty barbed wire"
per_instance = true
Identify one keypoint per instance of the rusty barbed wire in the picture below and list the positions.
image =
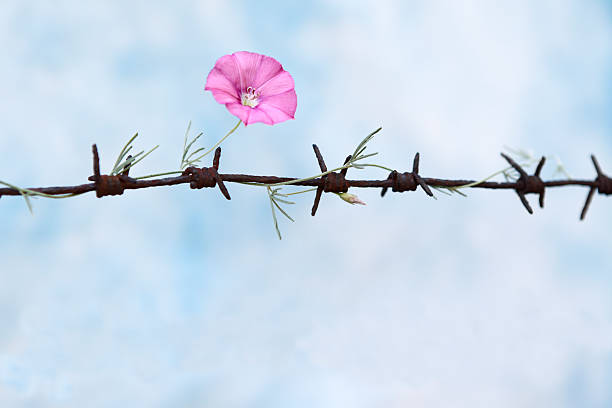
(332, 182)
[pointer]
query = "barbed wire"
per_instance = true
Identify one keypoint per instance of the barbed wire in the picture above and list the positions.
(330, 182)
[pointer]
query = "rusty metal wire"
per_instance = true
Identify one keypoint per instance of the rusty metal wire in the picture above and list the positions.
(334, 182)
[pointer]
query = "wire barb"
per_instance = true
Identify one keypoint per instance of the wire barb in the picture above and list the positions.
(207, 176)
(107, 185)
(407, 181)
(330, 183)
(602, 183)
(319, 192)
(527, 184)
(96, 163)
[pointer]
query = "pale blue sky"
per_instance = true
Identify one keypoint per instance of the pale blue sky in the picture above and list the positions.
(171, 297)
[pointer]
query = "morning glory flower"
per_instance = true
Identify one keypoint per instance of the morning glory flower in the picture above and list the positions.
(253, 87)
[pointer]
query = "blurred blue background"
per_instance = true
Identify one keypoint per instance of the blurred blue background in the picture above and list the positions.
(170, 297)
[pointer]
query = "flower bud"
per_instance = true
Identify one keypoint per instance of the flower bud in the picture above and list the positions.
(351, 198)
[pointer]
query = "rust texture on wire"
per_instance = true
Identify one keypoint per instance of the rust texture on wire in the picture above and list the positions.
(334, 182)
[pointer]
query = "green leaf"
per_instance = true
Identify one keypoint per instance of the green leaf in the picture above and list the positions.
(281, 210)
(364, 156)
(124, 151)
(195, 139)
(364, 142)
(283, 201)
(27, 200)
(274, 218)
(145, 155)
(456, 190)
(194, 152)
(441, 190)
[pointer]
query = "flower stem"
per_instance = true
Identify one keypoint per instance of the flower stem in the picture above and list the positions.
(218, 143)
(197, 158)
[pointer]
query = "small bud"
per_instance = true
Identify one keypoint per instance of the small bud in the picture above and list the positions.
(351, 198)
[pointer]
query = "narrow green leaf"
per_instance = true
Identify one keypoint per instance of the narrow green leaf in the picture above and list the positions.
(123, 151)
(195, 139)
(281, 210)
(283, 201)
(302, 192)
(27, 200)
(195, 152)
(441, 190)
(186, 134)
(364, 156)
(145, 155)
(274, 216)
(456, 190)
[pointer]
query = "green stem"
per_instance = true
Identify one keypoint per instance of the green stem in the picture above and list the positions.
(346, 166)
(375, 165)
(218, 143)
(159, 174)
(27, 191)
(287, 183)
(487, 178)
(196, 159)
(301, 192)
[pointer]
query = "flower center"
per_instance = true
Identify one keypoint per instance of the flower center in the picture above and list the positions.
(250, 97)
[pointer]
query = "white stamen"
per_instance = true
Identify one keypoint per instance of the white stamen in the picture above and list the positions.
(250, 97)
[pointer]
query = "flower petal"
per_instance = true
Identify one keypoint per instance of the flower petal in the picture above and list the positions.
(239, 110)
(259, 115)
(250, 115)
(226, 66)
(285, 102)
(222, 88)
(282, 82)
(247, 63)
(276, 115)
(268, 69)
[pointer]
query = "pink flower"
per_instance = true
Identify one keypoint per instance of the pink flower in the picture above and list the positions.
(253, 87)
